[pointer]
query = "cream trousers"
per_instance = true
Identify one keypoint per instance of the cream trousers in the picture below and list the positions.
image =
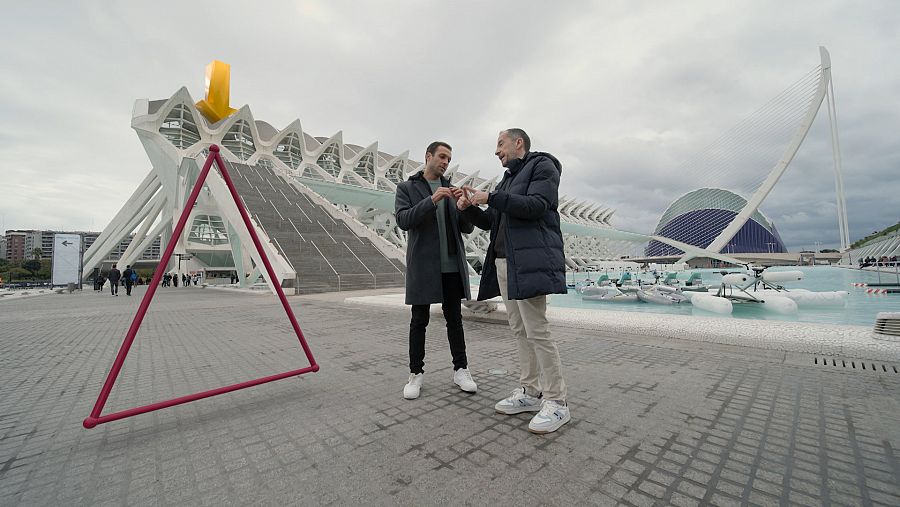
(541, 370)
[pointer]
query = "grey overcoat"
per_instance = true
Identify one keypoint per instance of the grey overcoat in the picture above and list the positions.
(415, 213)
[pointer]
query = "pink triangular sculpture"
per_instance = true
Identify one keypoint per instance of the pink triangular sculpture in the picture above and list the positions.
(95, 418)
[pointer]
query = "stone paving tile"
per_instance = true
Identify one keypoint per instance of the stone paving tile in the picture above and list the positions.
(655, 421)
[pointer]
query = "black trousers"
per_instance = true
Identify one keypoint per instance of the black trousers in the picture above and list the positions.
(114, 287)
(128, 285)
(453, 293)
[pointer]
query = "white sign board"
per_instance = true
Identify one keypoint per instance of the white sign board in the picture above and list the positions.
(66, 259)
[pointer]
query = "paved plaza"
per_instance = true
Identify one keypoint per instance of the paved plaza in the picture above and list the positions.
(654, 421)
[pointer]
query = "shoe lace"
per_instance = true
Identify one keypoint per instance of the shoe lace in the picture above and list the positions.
(548, 407)
(520, 392)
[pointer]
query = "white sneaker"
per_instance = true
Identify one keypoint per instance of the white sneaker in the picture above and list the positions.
(463, 378)
(517, 402)
(552, 415)
(413, 386)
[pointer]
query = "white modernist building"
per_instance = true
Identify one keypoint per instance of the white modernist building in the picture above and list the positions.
(358, 182)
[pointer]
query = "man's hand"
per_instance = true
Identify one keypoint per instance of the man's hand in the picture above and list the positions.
(443, 193)
(462, 203)
(476, 197)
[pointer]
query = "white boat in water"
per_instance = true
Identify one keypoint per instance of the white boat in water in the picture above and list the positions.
(607, 293)
(662, 295)
(806, 298)
(756, 285)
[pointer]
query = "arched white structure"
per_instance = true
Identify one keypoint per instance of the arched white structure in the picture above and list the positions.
(802, 101)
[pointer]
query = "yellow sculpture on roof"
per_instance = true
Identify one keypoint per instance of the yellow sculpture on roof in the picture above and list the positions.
(218, 82)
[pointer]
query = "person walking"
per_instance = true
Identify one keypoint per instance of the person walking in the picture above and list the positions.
(128, 275)
(436, 267)
(525, 262)
(114, 276)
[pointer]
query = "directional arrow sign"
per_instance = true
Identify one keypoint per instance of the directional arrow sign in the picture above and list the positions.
(218, 82)
(66, 262)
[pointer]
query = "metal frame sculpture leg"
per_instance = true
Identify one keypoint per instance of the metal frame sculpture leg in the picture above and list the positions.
(95, 418)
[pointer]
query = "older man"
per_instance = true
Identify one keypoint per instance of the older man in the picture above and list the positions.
(436, 267)
(524, 263)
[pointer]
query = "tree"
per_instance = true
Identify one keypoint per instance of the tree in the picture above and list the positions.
(18, 273)
(33, 265)
(828, 250)
(45, 272)
(37, 253)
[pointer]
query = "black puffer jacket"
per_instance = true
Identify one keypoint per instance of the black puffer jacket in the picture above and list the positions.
(415, 212)
(528, 195)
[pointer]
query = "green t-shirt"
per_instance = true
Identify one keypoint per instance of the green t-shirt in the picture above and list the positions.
(448, 262)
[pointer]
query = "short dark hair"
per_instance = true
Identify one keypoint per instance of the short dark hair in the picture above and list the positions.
(432, 148)
(516, 133)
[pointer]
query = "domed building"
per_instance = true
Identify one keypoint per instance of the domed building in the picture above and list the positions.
(697, 217)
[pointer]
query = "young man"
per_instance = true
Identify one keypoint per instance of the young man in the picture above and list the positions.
(524, 263)
(436, 268)
(114, 276)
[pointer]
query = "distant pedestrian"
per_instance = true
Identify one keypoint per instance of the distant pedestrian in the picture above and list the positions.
(174, 279)
(114, 277)
(128, 275)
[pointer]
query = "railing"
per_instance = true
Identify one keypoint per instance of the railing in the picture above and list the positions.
(357, 258)
(313, 243)
(323, 282)
(326, 231)
(296, 230)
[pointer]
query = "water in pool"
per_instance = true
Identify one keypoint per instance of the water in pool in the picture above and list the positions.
(860, 308)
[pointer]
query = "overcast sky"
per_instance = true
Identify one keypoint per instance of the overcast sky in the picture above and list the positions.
(621, 92)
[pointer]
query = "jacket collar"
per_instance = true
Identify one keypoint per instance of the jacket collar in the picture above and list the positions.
(420, 176)
(517, 164)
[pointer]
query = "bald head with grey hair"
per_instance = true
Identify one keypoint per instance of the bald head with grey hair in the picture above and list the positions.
(516, 133)
(512, 144)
